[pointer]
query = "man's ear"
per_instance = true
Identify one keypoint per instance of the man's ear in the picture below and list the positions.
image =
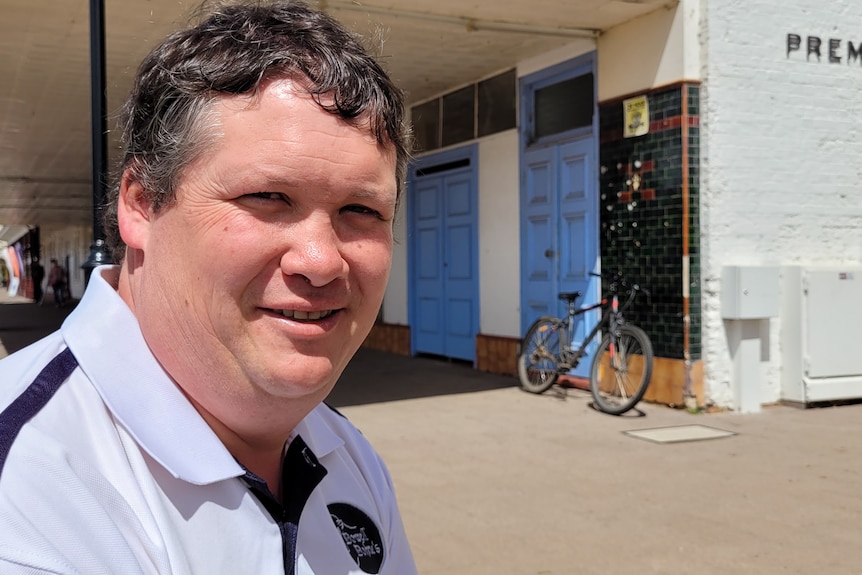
(134, 212)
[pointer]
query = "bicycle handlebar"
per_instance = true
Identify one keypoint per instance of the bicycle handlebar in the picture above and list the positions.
(619, 280)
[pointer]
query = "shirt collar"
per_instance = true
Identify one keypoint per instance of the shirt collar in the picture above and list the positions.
(318, 433)
(105, 338)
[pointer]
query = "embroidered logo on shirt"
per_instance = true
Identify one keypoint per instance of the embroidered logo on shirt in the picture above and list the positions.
(360, 534)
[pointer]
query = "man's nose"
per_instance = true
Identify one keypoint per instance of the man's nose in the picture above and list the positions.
(314, 252)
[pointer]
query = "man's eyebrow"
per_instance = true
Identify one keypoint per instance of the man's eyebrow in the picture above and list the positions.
(369, 193)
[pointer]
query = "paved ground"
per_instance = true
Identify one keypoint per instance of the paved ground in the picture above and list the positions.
(494, 481)
(22, 322)
(503, 482)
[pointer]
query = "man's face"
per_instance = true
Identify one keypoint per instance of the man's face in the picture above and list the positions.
(263, 279)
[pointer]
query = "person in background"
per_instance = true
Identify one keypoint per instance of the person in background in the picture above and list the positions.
(57, 281)
(37, 273)
(175, 423)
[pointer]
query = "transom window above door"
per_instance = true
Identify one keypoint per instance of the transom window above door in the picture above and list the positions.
(563, 106)
(474, 111)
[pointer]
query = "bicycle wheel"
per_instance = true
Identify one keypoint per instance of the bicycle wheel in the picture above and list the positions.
(539, 356)
(619, 383)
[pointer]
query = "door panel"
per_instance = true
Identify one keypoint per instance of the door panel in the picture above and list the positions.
(459, 232)
(541, 237)
(429, 280)
(560, 236)
(581, 238)
(459, 267)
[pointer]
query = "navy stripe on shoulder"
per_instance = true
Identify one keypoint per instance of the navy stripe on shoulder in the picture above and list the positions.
(34, 399)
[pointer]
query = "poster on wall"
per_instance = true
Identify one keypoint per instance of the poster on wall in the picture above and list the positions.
(14, 270)
(635, 117)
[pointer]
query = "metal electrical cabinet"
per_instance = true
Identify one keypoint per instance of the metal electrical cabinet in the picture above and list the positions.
(749, 292)
(820, 343)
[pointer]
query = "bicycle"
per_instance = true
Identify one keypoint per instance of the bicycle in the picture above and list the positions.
(622, 364)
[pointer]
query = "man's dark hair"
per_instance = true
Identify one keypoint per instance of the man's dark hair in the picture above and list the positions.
(235, 48)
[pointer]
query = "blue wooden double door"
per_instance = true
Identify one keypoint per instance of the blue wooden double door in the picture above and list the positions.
(443, 248)
(559, 221)
(443, 242)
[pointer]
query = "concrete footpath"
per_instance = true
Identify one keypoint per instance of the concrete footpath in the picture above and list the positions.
(495, 481)
(503, 482)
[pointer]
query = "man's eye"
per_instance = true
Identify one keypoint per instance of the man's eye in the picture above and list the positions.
(358, 209)
(268, 196)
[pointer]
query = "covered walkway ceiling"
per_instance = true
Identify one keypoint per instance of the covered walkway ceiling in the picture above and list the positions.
(429, 46)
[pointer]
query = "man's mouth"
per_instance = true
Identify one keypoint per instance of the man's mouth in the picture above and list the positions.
(304, 315)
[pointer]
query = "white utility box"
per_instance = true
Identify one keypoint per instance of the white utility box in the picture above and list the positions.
(749, 297)
(821, 311)
(749, 292)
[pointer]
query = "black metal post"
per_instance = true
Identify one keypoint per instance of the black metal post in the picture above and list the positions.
(99, 129)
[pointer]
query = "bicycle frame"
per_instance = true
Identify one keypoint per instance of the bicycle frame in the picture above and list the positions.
(612, 318)
(569, 356)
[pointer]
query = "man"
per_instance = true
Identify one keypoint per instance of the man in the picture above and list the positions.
(57, 281)
(37, 273)
(174, 424)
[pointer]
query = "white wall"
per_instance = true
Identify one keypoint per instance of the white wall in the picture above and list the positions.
(782, 148)
(659, 48)
(395, 299)
(499, 243)
(577, 48)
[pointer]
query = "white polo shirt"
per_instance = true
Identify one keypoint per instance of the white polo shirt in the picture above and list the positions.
(112, 471)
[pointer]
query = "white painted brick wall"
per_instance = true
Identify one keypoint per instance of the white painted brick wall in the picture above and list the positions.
(782, 155)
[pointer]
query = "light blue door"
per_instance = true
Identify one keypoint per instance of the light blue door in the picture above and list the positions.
(445, 316)
(559, 233)
(427, 326)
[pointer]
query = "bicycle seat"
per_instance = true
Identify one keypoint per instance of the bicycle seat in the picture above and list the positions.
(571, 296)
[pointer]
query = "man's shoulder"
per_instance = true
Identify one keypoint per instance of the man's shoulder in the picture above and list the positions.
(71, 518)
(21, 368)
(46, 404)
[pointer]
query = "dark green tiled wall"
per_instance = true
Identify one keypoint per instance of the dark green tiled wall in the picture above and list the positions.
(644, 237)
(694, 219)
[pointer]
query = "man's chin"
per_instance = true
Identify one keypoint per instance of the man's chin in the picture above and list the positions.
(310, 377)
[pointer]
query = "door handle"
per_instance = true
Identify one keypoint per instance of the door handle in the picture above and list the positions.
(549, 253)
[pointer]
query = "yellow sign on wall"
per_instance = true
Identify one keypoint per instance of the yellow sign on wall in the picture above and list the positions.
(636, 117)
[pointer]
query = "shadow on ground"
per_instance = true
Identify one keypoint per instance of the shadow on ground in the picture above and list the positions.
(372, 376)
(22, 323)
(375, 376)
